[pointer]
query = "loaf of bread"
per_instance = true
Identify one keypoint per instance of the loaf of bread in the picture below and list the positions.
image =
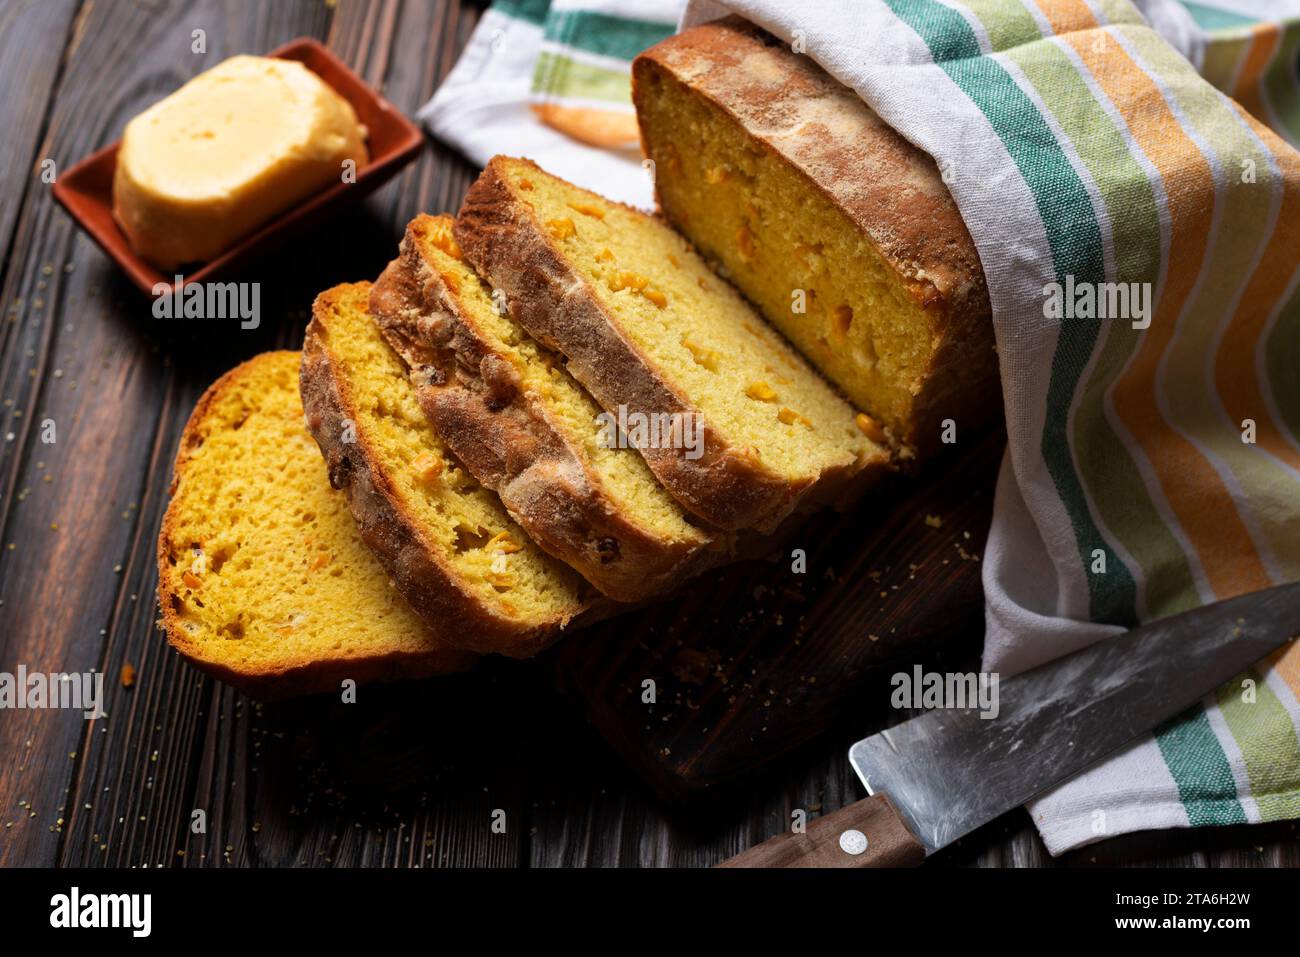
(451, 550)
(841, 231)
(263, 579)
(555, 391)
(523, 427)
(659, 341)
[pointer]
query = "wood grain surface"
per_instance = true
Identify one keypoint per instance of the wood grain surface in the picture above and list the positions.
(412, 775)
(748, 664)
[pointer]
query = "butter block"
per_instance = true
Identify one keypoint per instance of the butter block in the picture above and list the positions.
(228, 151)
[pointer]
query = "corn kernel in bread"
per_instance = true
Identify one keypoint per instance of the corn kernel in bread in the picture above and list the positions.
(523, 427)
(841, 231)
(263, 578)
(650, 331)
(451, 549)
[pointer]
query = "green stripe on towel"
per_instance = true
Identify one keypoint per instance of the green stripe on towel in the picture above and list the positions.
(1200, 770)
(1006, 25)
(1267, 739)
(1075, 239)
(530, 11)
(1105, 461)
(617, 37)
(1280, 361)
(1282, 82)
(559, 76)
(1212, 18)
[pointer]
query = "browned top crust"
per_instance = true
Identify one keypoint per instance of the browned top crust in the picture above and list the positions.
(505, 437)
(888, 188)
(725, 486)
(417, 567)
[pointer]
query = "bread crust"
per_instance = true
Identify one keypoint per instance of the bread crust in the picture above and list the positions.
(505, 436)
(888, 189)
(430, 586)
(508, 246)
(293, 678)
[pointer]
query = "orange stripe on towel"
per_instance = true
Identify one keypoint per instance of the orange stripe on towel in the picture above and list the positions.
(1197, 495)
(1243, 395)
(1286, 662)
(1066, 16)
(1249, 90)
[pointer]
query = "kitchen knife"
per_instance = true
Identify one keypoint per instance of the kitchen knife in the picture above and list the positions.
(941, 775)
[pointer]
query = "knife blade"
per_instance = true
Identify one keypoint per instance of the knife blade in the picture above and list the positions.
(947, 772)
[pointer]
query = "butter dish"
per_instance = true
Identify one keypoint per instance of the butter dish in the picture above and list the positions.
(86, 190)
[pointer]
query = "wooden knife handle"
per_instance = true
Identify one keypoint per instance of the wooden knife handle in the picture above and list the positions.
(888, 841)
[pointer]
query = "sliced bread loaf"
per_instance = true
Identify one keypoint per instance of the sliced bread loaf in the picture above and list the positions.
(263, 578)
(662, 343)
(841, 231)
(452, 551)
(523, 427)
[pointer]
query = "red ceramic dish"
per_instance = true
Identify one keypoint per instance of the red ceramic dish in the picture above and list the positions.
(86, 190)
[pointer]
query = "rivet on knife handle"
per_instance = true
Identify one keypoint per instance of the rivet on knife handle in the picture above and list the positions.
(836, 841)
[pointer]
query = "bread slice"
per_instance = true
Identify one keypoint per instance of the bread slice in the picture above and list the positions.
(791, 183)
(263, 579)
(523, 427)
(656, 337)
(452, 551)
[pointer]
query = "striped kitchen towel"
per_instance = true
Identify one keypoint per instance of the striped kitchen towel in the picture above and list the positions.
(581, 85)
(1252, 53)
(1140, 233)
(550, 80)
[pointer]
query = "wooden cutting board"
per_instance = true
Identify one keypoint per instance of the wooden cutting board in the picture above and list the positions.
(747, 663)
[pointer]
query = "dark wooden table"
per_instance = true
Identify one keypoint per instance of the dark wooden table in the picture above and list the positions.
(413, 774)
